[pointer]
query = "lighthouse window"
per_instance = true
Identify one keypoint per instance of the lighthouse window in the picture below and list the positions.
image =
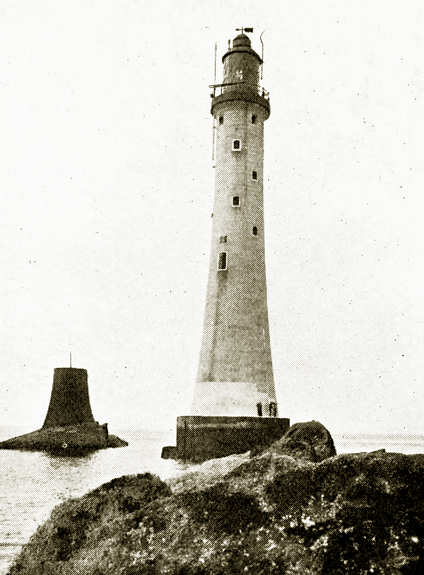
(221, 119)
(253, 118)
(255, 231)
(222, 261)
(222, 239)
(254, 175)
(236, 201)
(236, 146)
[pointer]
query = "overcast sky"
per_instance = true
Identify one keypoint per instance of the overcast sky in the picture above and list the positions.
(106, 187)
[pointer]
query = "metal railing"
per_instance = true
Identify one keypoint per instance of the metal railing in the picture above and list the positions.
(219, 89)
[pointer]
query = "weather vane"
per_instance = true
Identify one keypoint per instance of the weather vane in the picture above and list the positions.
(243, 30)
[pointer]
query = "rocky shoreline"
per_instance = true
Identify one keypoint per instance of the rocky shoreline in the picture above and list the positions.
(66, 440)
(289, 508)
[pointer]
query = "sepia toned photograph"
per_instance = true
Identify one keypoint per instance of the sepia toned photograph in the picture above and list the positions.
(212, 310)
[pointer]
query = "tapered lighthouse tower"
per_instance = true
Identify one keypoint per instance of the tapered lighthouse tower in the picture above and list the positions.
(235, 374)
(234, 406)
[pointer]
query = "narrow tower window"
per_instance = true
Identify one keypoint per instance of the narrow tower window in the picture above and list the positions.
(236, 201)
(254, 175)
(259, 409)
(236, 147)
(222, 261)
(222, 239)
(221, 119)
(253, 118)
(254, 231)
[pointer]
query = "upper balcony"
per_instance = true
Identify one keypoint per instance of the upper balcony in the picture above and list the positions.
(219, 89)
(241, 91)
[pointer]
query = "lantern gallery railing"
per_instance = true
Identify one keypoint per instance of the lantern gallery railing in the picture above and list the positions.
(218, 89)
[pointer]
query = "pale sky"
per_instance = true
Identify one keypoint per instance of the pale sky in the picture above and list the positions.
(107, 183)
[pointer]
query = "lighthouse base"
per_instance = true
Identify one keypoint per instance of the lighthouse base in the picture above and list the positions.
(206, 437)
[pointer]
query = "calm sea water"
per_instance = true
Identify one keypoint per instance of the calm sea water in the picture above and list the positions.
(31, 484)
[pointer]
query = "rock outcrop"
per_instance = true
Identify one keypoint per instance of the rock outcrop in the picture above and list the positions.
(271, 514)
(66, 440)
(308, 440)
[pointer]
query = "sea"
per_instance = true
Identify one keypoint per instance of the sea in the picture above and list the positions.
(32, 483)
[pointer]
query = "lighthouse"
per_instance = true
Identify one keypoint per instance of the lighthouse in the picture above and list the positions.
(235, 375)
(234, 405)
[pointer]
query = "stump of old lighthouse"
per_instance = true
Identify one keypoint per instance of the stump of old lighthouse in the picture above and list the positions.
(69, 427)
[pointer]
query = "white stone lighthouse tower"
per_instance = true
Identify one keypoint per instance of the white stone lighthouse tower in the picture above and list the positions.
(235, 374)
(234, 406)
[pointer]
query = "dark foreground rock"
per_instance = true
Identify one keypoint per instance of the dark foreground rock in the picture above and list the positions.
(271, 514)
(66, 440)
(115, 441)
(308, 440)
